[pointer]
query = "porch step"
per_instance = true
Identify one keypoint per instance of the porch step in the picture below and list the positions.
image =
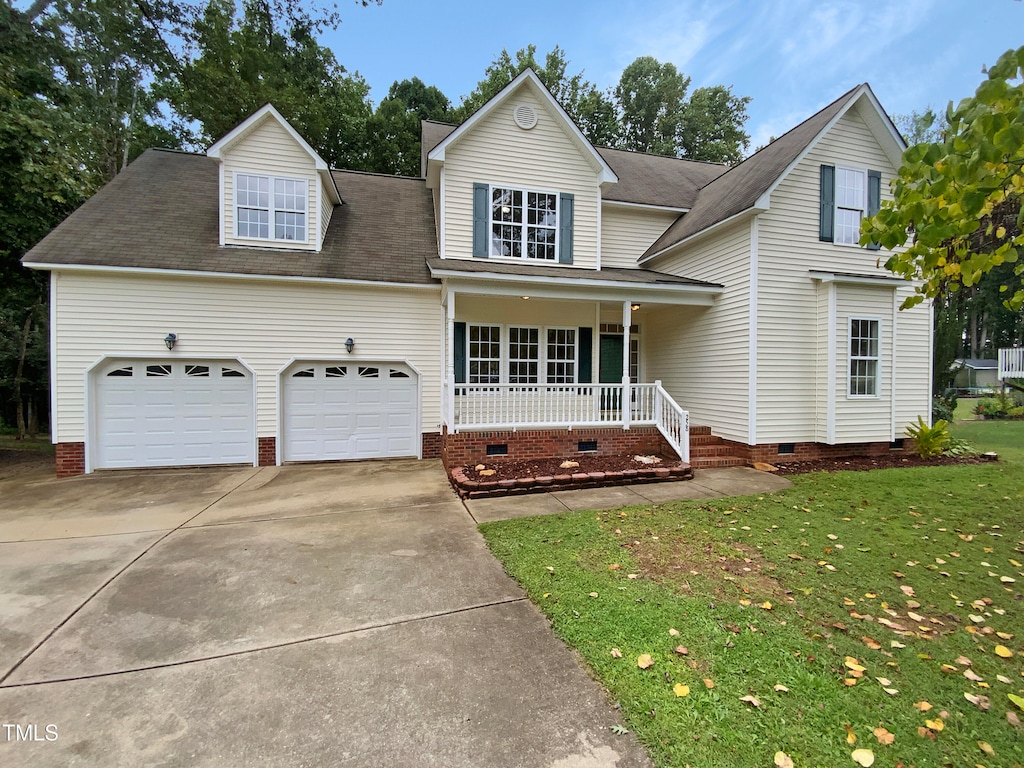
(708, 451)
(713, 462)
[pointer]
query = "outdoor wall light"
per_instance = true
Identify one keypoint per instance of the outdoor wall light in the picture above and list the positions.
(170, 340)
(634, 307)
(349, 344)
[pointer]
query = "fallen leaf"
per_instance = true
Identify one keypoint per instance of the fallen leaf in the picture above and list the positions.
(852, 663)
(766, 605)
(674, 632)
(1018, 700)
(616, 653)
(884, 680)
(981, 702)
(593, 594)
(871, 643)
(1012, 719)
(972, 676)
(632, 575)
(896, 644)
(751, 700)
(782, 760)
(781, 688)
(890, 691)
(681, 690)
(963, 661)
(922, 706)
(883, 735)
(985, 747)
(1003, 651)
(1007, 579)
(907, 590)
(1004, 635)
(849, 682)
(851, 737)
(1003, 679)
(709, 683)
(744, 601)
(644, 661)
(863, 757)
(936, 725)
(682, 650)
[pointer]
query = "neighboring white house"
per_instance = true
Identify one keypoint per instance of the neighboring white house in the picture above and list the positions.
(530, 295)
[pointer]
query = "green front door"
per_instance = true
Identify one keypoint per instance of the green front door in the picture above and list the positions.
(610, 370)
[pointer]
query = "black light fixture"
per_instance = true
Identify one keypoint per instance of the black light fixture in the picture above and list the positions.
(170, 340)
(349, 344)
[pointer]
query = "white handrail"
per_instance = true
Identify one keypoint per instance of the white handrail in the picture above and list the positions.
(673, 422)
(1011, 363)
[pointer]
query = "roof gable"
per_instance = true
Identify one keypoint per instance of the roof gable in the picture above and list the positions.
(526, 79)
(747, 187)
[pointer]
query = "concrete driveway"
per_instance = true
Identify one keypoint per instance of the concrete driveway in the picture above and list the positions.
(321, 615)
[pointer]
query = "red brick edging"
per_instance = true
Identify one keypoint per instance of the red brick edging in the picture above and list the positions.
(474, 489)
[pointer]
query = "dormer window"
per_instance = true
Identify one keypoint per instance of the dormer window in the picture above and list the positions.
(270, 207)
(524, 224)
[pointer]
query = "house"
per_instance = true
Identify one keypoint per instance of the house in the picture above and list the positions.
(531, 295)
(975, 375)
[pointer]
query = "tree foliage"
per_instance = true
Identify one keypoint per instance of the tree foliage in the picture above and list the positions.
(957, 200)
(393, 132)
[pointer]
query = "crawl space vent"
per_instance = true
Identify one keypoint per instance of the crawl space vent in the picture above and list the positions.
(525, 116)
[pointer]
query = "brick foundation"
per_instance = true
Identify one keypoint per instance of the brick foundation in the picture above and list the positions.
(465, 448)
(266, 451)
(769, 453)
(70, 459)
(431, 445)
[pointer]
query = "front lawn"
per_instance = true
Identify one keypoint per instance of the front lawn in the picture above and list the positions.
(858, 610)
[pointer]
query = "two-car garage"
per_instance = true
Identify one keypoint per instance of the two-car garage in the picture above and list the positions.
(174, 412)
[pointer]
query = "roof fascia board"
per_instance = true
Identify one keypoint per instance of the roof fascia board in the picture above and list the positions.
(607, 175)
(840, 279)
(152, 271)
(736, 217)
(570, 284)
(265, 112)
(645, 206)
(639, 293)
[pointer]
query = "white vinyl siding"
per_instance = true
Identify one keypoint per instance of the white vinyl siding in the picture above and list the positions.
(626, 233)
(262, 323)
(700, 354)
(790, 301)
(269, 151)
(862, 418)
(497, 152)
(913, 356)
(326, 211)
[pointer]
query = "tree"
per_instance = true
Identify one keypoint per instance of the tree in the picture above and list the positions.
(957, 201)
(591, 110)
(393, 132)
(920, 127)
(712, 126)
(651, 99)
(262, 57)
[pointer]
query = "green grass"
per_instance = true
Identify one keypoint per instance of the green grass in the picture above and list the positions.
(41, 444)
(965, 408)
(709, 570)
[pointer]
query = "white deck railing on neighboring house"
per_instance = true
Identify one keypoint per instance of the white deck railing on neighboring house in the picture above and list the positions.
(546, 406)
(1011, 363)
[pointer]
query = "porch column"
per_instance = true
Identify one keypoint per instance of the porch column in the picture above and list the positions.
(449, 367)
(627, 316)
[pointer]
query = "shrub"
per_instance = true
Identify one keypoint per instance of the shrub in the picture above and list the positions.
(941, 409)
(958, 447)
(929, 441)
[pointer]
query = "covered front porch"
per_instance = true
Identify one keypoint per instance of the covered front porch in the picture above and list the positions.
(567, 355)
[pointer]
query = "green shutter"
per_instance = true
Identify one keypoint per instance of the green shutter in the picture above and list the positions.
(586, 347)
(460, 353)
(874, 199)
(481, 220)
(827, 218)
(565, 214)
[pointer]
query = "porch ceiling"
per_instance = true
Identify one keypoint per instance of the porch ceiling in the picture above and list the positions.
(611, 285)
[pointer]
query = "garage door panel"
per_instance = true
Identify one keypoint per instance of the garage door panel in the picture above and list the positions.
(347, 411)
(174, 413)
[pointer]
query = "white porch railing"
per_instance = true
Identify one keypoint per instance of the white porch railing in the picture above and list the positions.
(546, 406)
(1011, 363)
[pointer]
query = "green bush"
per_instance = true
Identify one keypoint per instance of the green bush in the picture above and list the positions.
(958, 447)
(941, 409)
(1000, 406)
(929, 441)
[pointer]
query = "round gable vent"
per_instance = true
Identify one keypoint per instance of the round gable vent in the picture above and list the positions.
(525, 116)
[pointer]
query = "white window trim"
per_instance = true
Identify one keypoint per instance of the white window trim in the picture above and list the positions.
(310, 200)
(523, 225)
(542, 353)
(877, 357)
(502, 357)
(507, 358)
(863, 171)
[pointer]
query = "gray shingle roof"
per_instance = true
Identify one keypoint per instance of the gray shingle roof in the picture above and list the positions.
(162, 212)
(609, 274)
(740, 187)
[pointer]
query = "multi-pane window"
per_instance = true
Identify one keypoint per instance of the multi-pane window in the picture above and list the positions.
(524, 224)
(851, 202)
(256, 208)
(484, 358)
(523, 355)
(561, 356)
(863, 357)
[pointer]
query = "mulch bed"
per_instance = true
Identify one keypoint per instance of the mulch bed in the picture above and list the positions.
(864, 463)
(510, 470)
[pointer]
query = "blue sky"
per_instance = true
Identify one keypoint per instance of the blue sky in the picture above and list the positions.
(791, 57)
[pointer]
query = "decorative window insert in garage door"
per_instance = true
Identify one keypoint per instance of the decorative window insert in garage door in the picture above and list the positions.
(349, 410)
(172, 413)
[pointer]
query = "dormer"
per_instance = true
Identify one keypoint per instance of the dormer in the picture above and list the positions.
(275, 190)
(519, 183)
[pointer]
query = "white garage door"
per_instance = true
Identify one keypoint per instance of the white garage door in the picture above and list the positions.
(173, 413)
(349, 411)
